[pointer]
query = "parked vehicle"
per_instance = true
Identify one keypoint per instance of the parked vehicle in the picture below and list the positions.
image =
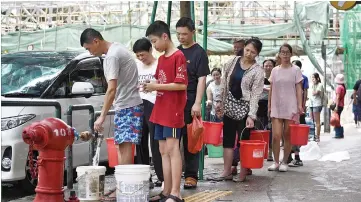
(47, 75)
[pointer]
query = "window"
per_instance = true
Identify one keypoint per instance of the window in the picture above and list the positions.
(29, 75)
(88, 70)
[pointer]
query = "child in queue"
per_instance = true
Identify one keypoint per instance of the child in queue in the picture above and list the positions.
(168, 111)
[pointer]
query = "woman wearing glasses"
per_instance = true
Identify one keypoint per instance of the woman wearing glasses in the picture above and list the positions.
(284, 105)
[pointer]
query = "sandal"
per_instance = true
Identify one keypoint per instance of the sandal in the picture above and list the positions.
(174, 198)
(221, 178)
(161, 197)
(242, 175)
(190, 183)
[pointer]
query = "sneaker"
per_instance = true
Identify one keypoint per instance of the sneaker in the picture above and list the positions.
(273, 167)
(296, 163)
(283, 167)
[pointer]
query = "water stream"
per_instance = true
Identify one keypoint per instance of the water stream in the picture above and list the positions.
(96, 157)
(97, 152)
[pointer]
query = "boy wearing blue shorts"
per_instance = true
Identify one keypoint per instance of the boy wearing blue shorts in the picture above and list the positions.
(168, 112)
(121, 73)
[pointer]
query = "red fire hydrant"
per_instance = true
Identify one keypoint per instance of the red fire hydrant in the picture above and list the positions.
(50, 137)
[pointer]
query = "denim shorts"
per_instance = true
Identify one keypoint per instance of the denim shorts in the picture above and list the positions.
(316, 109)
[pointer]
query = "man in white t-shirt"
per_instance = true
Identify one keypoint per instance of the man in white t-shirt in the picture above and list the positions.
(147, 65)
(121, 73)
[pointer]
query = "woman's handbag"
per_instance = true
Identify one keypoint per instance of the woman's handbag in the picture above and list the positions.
(235, 109)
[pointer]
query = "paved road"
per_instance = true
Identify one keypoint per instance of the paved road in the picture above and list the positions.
(9, 192)
(315, 181)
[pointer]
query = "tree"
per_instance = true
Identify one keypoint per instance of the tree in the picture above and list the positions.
(185, 9)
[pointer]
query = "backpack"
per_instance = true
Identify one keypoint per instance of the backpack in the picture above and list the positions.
(358, 94)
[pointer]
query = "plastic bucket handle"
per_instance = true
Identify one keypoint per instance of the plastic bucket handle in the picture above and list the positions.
(245, 129)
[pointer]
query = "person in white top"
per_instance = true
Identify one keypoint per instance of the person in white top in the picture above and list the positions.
(214, 98)
(316, 103)
(147, 65)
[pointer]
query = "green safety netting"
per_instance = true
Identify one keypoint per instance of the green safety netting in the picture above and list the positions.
(67, 38)
(351, 40)
(310, 12)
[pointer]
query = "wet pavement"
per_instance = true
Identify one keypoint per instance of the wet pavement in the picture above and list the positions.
(315, 181)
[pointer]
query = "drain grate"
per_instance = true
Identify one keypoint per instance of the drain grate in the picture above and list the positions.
(207, 196)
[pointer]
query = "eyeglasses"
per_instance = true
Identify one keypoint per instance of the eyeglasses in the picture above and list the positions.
(285, 53)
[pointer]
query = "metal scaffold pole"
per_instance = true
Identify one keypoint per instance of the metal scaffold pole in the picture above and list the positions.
(154, 12)
(326, 111)
(205, 36)
(194, 19)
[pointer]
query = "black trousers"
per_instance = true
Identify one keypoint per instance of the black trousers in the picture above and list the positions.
(143, 148)
(230, 128)
(339, 111)
(191, 160)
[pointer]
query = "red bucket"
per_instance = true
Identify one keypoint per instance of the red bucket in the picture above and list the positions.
(262, 135)
(299, 134)
(252, 153)
(212, 133)
(113, 152)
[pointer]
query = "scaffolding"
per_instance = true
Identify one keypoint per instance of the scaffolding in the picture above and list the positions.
(351, 39)
(31, 17)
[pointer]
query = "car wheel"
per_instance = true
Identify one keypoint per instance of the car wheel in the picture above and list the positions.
(29, 184)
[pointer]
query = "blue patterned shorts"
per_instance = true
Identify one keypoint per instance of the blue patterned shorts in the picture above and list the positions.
(128, 125)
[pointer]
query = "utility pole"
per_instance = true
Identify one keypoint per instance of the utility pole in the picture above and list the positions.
(185, 9)
(326, 111)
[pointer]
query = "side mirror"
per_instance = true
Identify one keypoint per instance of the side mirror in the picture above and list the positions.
(85, 89)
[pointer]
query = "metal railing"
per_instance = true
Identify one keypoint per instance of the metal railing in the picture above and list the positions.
(69, 120)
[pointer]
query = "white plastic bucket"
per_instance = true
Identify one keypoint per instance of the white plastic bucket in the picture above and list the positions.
(90, 182)
(132, 183)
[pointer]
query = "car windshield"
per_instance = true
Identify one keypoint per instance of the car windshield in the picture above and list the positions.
(29, 75)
